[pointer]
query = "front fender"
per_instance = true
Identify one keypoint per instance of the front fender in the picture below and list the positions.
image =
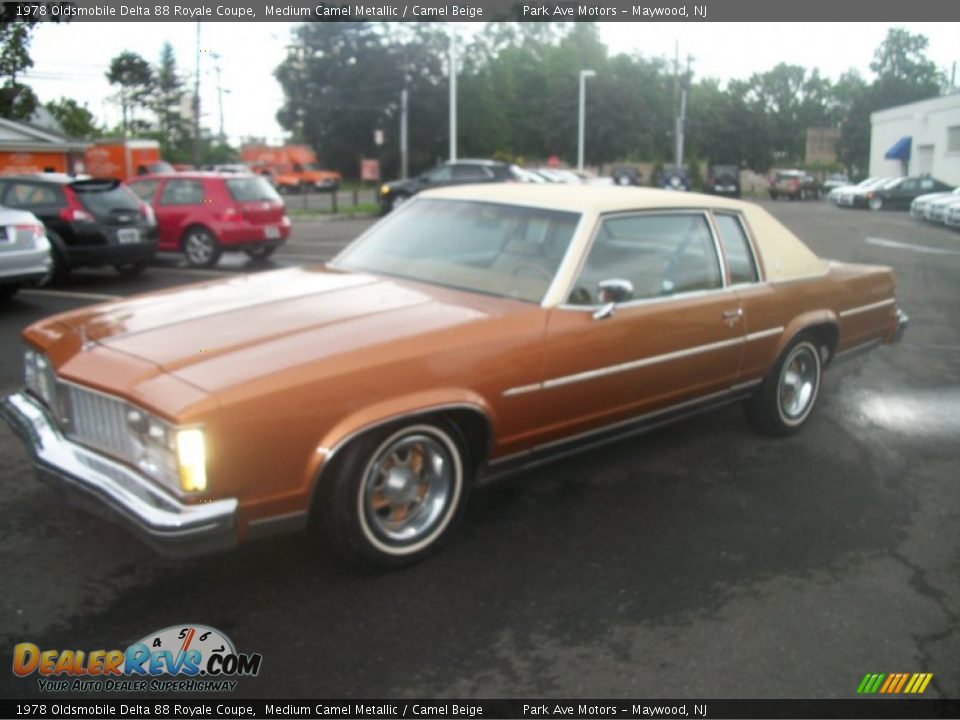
(395, 409)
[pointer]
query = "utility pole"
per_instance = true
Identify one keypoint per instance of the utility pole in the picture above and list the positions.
(682, 117)
(197, 154)
(404, 166)
(453, 94)
(216, 68)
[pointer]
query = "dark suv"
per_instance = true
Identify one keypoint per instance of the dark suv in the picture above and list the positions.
(458, 172)
(88, 222)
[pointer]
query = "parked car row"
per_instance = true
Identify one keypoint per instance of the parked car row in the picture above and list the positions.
(940, 207)
(87, 222)
(885, 193)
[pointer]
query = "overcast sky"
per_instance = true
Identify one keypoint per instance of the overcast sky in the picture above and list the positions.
(70, 60)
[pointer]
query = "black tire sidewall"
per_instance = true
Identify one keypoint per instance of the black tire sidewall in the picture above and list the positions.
(763, 409)
(340, 496)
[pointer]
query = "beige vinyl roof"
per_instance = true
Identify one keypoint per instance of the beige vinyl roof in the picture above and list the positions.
(784, 255)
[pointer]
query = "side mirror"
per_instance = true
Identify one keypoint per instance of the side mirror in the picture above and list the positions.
(610, 293)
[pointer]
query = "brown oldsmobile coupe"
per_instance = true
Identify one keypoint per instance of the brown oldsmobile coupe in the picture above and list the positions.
(477, 331)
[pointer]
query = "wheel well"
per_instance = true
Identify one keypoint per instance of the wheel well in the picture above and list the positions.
(474, 425)
(826, 335)
(476, 432)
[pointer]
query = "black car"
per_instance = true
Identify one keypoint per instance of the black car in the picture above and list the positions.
(899, 194)
(671, 178)
(723, 180)
(457, 172)
(626, 175)
(88, 222)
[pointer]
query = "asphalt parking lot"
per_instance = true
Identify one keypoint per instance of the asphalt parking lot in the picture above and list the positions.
(699, 561)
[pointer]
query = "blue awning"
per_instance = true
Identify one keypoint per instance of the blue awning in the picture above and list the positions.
(900, 150)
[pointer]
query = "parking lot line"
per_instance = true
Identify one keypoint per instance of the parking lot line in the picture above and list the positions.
(68, 294)
(928, 249)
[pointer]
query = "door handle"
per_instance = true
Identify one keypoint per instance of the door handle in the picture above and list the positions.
(731, 314)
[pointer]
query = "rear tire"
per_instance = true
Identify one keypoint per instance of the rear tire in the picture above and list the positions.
(392, 496)
(200, 247)
(786, 398)
(58, 266)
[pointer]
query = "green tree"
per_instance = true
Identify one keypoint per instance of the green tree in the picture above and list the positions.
(135, 77)
(17, 100)
(174, 133)
(75, 119)
(904, 75)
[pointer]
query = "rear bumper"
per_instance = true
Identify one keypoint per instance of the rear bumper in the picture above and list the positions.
(900, 322)
(21, 265)
(117, 492)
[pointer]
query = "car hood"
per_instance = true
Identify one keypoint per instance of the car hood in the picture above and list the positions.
(219, 334)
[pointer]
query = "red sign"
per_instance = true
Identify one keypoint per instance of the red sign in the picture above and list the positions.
(369, 169)
(553, 161)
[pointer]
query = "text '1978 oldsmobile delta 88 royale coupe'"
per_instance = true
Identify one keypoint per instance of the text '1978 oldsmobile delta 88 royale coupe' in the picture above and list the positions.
(477, 331)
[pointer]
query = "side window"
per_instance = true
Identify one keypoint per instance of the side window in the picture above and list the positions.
(926, 184)
(659, 255)
(440, 173)
(737, 249)
(27, 195)
(908, 185)
(145, 189)
(466, 172)
(182, 192)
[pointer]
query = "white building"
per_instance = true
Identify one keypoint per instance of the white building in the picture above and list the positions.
(922, 138)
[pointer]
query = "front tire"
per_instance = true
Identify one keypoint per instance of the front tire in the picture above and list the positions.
(393, 495)
(200, 247)
(785, 399)
(876, 203)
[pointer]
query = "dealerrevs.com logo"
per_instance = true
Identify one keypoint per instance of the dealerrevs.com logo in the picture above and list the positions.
(180, 658)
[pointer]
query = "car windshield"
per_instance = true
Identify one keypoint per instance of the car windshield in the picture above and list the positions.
(502, 250)
(250, 189)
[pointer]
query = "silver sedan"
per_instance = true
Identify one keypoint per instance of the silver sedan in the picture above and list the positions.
(24, 250)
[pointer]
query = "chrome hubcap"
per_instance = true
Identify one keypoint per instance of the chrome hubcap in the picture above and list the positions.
(408, 488)
(798, 382)
(199, 248)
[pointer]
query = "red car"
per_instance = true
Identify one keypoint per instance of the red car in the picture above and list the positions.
(204, 214)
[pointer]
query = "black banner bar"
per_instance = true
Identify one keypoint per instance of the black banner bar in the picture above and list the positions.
(204, 709)
(479, 11)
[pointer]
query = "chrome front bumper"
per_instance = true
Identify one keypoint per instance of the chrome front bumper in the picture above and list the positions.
(116, 491)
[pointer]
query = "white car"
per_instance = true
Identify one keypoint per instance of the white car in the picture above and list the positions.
(843, 196)
(952, 217)
(24, 250)
(936, 209)
(918, 208)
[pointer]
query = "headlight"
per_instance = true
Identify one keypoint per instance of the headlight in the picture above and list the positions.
(192, 459)
(38, 376)
(174, 457)
(384, 189)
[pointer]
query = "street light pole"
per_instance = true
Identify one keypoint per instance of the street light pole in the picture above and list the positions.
(453, 93)
(584, 74)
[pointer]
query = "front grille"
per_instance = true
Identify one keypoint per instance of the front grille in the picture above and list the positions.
(97, 420)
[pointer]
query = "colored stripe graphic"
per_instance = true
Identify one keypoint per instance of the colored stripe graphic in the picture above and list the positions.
(894, 683)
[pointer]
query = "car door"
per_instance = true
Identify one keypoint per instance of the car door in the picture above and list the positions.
(674, 340)
(180, 202)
